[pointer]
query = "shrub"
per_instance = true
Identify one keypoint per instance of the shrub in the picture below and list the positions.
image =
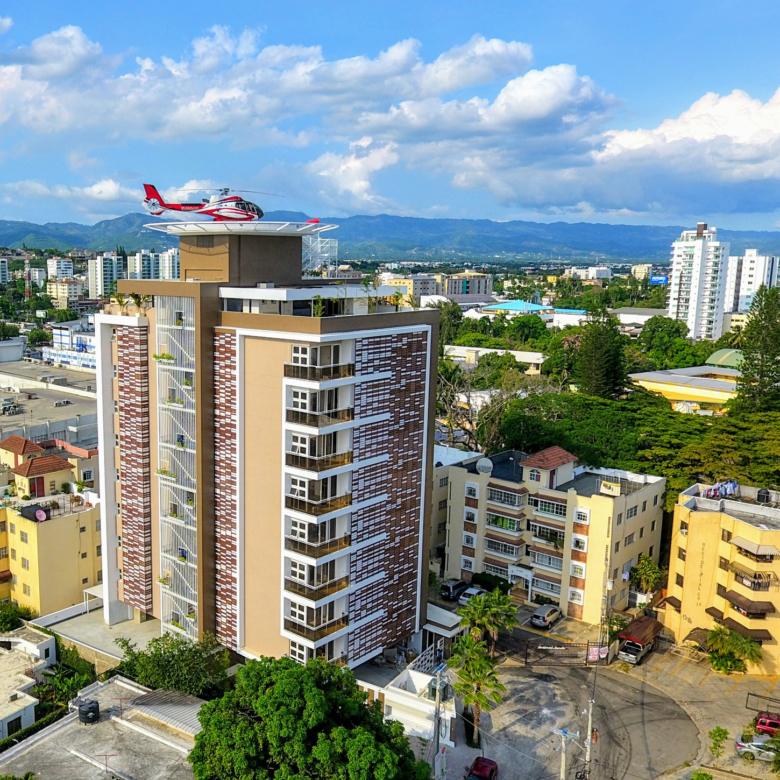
(718, 737)
(490, 582)
(11, 615)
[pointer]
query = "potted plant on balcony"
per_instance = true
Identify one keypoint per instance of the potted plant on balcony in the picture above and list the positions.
(179, 322)
(164, 472)
(165, 579)
(187, 381)
(192, 614)
(182, 558)
(190, 501)
(163, 357)
(176, 624)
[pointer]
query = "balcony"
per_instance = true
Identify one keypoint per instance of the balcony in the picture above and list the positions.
(320, 507)
(314, 592)
(320, 419)
(318, 462)
(316, 549)
(314, 633)
(319, 373)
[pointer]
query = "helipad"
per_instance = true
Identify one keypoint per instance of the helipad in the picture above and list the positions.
(255, 228)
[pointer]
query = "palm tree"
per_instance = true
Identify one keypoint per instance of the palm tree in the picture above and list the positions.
(488, 615)
(476, 680)
(476, 615)
(504, 616)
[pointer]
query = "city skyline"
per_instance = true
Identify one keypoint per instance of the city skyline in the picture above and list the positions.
(597, 114)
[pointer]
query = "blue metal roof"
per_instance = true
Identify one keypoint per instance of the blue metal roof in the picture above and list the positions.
(571, 311)
(516, 306)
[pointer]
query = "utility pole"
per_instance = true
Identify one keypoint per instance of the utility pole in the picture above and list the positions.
(563, 755)
(438, 760)
(589, 737)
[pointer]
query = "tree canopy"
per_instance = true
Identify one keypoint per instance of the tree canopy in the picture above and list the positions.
(173, 662)
(759, 386)
(599, 365)
(287, 721)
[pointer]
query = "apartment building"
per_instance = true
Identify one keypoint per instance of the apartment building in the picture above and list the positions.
(413, 286)
(642, 271)
(147, 264)
(103, 272)
(724, 567)
(73, 345)
(744, 275)
(50, 552)
(65, 291)
(5, 275)
(697, 287)
(554, 529)
(466, 282)
(266, 451)
(443, 458)
(38, 277)
(59, 267)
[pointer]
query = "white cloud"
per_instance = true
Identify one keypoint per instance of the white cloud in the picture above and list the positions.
(102, 191)
(6, 23)
(57, 54)
(350, 174)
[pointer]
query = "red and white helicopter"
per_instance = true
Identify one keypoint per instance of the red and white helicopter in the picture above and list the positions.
(223, 206)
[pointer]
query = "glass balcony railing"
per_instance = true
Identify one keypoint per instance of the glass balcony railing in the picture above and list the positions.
(318, 462)
(314, 592)
(315, 632)
(319, 373)
(320, 419)
(316, 549)
(317, 508)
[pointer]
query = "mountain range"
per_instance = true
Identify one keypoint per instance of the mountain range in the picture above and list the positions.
(392, 237)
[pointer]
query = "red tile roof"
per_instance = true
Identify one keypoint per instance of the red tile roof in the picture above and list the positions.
(45, 464)
(550, 458)
(19, 445)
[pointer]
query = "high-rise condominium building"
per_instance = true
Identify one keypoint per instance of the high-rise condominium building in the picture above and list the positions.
(745, 274)
(698, 282)
(267, 444)
(5, 276)
(104, 271)
(153, 265)
(59, 267)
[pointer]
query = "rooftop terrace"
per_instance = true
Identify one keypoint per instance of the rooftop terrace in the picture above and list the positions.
(759, 507)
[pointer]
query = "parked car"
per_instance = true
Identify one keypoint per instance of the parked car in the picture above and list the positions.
(452, 589)
(469, 594)
(482, 769)
(546, 616)
(768, 723)
(756, 748)
(638, 639)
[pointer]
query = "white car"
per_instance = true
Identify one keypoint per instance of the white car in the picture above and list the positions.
(469, 594)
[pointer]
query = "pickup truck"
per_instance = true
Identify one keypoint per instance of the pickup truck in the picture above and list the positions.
(638, 639)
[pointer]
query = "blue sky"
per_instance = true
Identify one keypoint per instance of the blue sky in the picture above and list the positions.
(595, 111)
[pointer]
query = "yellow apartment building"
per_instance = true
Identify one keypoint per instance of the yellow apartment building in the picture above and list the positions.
(50, 552)
(724, 567)
(555, 529)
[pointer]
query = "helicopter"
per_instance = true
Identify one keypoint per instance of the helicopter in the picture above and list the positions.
(223, 206)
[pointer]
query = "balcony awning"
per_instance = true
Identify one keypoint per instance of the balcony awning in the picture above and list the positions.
(762, 607)
(714, 612)
(742, 571)
(699, 636)
(755, 547)
(756, 634)
(672, 601)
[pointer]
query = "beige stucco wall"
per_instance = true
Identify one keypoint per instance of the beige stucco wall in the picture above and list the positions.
(263, 367)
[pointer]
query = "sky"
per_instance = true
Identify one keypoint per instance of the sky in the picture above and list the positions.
(654, 113)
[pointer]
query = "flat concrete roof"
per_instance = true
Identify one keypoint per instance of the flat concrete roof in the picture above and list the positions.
(13, 665)
(694, 377)
(91, 630)
(589, 484)
(23, 369)
(130, 744)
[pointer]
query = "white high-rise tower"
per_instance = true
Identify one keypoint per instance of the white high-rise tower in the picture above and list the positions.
(698, 284)
(745, 274)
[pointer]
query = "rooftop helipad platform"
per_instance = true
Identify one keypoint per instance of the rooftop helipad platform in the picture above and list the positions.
(255, 228)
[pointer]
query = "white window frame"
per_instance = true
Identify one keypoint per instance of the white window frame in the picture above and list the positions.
(298, 652)
(470, 511)
(534, 475)
(471, 490)
(585, 520)
(579, 538)
(299, 529)
(297, 612)
(578, 570)
(299, 400)
(299, 487)
(467, 563)
(301, 354)
(576, 596)
(469, 540)
(299, 443)
(298, 571)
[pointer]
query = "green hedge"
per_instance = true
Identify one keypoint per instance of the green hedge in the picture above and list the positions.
(490, 582)
(47, 720)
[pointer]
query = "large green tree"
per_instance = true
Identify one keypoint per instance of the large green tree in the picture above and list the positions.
(759, 387)
(600, 367)
(174, 662)
(287, 721)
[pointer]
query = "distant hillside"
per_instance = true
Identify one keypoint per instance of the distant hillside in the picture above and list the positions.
(388, 236)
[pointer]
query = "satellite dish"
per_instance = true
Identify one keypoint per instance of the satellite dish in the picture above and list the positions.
(485, 466)
(40, 515)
